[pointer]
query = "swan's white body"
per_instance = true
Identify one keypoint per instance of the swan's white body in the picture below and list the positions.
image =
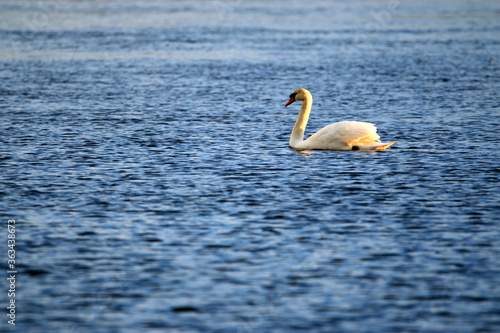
(344, 135)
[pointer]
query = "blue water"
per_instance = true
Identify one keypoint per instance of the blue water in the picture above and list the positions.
(144, 155)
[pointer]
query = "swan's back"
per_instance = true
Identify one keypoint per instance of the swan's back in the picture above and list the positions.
(343, 136)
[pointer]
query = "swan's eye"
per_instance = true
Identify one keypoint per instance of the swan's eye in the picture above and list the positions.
(293, 95)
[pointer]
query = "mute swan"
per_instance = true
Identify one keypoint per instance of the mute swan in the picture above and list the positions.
(344, 135)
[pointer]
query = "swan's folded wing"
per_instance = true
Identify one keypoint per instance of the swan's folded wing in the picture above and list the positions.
(358, 132)
(345, 133)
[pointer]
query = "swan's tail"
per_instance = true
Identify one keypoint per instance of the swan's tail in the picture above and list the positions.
(384, 146)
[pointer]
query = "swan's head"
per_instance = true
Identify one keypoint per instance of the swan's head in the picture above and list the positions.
(298, 95)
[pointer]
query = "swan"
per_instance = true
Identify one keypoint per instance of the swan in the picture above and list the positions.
(344, 135)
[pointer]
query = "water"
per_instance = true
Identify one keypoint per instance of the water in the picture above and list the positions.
(144, 156)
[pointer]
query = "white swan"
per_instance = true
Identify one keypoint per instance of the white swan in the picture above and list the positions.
(344, 135)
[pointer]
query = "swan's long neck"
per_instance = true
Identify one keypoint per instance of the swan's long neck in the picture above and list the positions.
(301, 123)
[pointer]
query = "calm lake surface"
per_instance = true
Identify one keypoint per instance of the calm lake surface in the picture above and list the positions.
(144, 156)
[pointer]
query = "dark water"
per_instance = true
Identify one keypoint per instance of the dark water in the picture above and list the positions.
(144, 156)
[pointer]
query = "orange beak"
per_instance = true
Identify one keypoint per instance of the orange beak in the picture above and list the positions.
(292, 99)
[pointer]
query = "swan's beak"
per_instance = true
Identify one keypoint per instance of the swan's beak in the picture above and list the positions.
(292, 99)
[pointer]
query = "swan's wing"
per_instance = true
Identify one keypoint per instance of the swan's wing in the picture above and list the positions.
(353, 132)
(343, 135)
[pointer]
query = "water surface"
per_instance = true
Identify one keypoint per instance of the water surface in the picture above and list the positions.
(144, 155)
